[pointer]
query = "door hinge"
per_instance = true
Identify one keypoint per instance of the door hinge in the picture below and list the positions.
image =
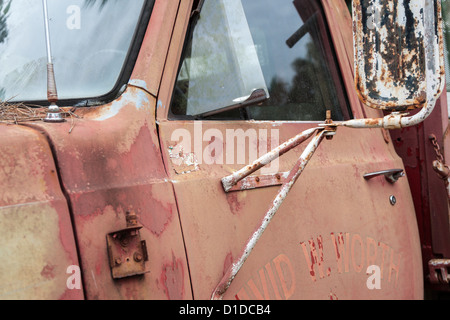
(127, 252)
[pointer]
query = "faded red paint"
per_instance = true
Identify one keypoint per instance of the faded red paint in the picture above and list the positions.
(428, 190)
(34, 199)
(235, 202)
(116, 158)
(162, 211)
(118, 168)
(172, 279)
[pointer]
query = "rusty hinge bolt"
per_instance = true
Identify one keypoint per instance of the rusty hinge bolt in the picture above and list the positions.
(131, 219)
(137, 257)
(331, 129)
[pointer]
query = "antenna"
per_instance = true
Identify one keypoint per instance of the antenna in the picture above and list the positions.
(54, 112)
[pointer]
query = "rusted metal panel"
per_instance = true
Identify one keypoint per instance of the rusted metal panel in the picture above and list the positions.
(217, 225)
(390, 50)
(260, 181)
(397, 85)
(37, 242)
(127, 252)
(332, 225)
(428, 190)
(110, 163)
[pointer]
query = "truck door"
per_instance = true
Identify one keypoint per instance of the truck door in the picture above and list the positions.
(241, 78)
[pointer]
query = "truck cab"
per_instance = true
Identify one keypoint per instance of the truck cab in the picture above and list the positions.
(162, 104)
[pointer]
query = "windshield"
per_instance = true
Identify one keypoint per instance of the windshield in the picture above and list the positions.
(90, 41)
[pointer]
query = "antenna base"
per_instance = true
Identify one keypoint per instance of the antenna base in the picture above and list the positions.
(54, 114)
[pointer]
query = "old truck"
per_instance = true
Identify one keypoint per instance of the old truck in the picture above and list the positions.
(226, 149)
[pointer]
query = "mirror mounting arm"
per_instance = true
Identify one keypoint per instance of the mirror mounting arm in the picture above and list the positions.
(391, 121)
(294, 174)
(395, 120)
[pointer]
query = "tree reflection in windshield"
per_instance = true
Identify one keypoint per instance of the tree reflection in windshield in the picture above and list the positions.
(4, 9)
(92, 2)
(88, 59)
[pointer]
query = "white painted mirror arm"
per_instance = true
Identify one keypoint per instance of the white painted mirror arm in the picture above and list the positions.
(294, 174)
(395, 120)
(229, 181)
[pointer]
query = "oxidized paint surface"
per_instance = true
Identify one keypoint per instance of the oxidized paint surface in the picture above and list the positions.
(110, 163)
(394, 52)
(332, 225)
(331, 197)
(37, 243)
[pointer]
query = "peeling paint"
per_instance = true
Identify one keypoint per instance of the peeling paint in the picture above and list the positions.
(138, 98)
(183, 162)
(390, 54)
(399, 59)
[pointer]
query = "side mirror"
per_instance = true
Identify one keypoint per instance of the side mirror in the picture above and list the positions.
(399, 61)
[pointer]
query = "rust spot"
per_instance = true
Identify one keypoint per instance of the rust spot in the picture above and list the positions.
(227, 263)
(390, 55)
(333, 296)
(48, 272)
(172, 279)
(235, 201)
(371, 122)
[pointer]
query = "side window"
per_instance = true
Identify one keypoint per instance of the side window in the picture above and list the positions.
(262, 60)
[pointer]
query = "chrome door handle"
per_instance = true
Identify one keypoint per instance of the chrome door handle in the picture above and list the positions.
(391, 175)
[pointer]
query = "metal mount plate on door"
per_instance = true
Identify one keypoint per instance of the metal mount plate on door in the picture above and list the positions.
(127, 252)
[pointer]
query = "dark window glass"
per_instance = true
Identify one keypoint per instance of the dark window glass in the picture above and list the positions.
(282, 47)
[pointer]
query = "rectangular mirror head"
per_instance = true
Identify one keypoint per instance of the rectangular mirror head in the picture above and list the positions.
(399, 62)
